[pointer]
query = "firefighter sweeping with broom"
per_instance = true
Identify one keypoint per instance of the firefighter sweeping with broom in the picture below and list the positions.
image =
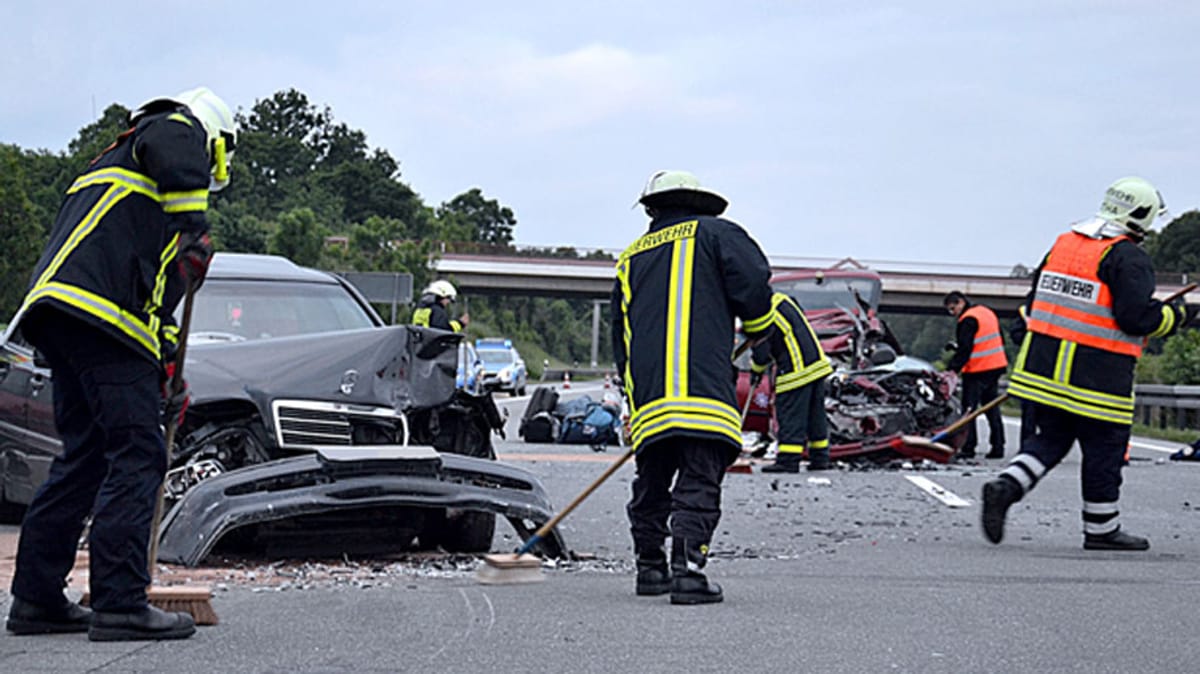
(678, 289)
(801, 369)
(129, 237)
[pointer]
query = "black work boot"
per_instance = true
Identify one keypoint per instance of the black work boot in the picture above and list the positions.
(996, 453)
(785, 462)
(1114, 540)
(26, 617)
(147, 624)
(998, 495)
(688, 585)
(653, 575)
(818, 459)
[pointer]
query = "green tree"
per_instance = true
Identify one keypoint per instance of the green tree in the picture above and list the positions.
(486, 220)
(298, 237)
(1181, 359)
(21, 237)
(1177, 247)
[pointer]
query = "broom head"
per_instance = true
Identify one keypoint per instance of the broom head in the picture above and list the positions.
(507, 569)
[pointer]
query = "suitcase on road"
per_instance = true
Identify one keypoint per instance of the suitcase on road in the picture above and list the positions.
(542, 402)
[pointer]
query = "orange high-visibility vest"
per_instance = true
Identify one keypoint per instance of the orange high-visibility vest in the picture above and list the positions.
(1072, 303)
(987, 353)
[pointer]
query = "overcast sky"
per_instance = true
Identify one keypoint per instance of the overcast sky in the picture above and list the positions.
(963, 132)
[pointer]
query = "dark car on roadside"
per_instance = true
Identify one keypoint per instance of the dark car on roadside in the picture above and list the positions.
(310, 419)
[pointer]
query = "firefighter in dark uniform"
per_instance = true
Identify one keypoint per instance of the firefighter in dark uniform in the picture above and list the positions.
(679, 288)
(1090, 311)
(431, 311)
(981, 361)
(129, 236)
(801, 369)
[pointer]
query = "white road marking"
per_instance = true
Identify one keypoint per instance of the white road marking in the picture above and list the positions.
(1140, 443)
(937, 491)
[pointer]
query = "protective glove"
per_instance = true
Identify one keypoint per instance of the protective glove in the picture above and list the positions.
(1180, 307)
(950, 346)
(195, 254)
(174, 403)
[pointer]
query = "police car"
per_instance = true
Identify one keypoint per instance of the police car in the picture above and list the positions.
(503, 368)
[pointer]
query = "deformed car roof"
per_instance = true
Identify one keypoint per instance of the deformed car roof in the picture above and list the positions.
(263, 267)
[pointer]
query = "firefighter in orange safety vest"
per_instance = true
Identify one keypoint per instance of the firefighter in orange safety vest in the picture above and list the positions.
(1089, 312)
(979, 358)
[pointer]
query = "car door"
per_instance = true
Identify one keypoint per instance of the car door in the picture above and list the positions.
(28, 441)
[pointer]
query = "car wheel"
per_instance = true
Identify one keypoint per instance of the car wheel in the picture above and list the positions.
(521, 391)
(460, 531)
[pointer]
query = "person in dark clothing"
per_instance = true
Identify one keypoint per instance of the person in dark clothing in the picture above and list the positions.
(130, 236)
(980, 358)
(1090, 311)
(679, 288)
(432, 308)
(801, 369)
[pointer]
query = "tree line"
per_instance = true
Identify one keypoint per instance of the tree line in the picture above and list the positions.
(312, 189)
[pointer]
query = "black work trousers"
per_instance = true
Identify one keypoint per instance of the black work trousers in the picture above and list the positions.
(802, 420)
(979, 388)
(677, 491)
(1102, 443)
(106, 411)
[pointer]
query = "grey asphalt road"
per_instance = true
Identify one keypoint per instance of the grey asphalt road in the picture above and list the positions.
(866, 573)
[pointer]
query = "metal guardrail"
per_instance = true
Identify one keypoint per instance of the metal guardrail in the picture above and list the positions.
(1167, 406)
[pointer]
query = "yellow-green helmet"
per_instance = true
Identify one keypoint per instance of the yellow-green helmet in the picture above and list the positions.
(1132, 203)
(681, 189)
(214, 114)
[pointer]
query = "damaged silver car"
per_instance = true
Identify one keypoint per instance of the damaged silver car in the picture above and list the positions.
(314, 428)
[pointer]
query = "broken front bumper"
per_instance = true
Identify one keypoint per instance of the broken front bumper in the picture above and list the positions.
(344, 479)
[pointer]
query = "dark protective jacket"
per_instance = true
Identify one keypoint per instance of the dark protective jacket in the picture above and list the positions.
(110, 259)
(793, 346)
(1093, 382)
(975, 343)
(431, 314)
(677, 292)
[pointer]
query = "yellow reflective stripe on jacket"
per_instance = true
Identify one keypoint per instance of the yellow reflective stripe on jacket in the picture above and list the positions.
(1019, 387)
(135, 181)
(160, 283)
(185, 202)
(679, 317)
(100, 308)
(421, 316)
(627, 330)
(703, 414)
(107, 200)
(455, 326)
(757, 324)
(800, 378)
(1167, 323)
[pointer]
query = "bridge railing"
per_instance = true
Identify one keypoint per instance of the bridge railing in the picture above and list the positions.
(1166, 406)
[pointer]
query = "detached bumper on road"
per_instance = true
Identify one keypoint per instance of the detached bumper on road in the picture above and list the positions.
(346, 479)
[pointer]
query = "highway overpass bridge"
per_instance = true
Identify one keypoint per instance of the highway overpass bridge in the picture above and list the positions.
(907, 287)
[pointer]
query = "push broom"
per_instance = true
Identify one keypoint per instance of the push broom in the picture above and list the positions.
(523, 567)
(195, 600)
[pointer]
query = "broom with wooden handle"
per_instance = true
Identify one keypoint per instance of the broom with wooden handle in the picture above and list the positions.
(195, 600)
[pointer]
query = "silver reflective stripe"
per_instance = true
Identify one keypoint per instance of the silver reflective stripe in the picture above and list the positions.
(1093, 508)
(669, 406)
(191, 203)
(989, 352)
(1032, 463)
(979, 339)
(1085, 328)
(1101, 528)
(1020, 476)
(1072, 303)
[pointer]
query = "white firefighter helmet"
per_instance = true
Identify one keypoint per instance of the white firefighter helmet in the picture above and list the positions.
(681, 189)
(1133, 204)
(442, 289)
(220, 127)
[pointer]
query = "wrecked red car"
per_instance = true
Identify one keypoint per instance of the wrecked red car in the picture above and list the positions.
(876, 394)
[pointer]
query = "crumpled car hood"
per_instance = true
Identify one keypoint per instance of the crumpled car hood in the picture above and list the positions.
(405, 367)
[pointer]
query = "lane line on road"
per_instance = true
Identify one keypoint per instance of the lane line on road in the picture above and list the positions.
(937, 491)
(566, 458)
(1140, 443)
